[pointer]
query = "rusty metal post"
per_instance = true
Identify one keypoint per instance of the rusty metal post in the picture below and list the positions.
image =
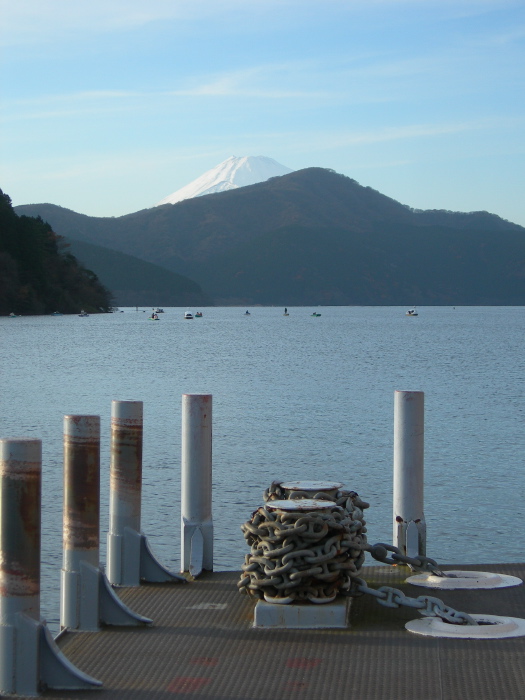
(196, 476)
(81, 491)
(129, 558)
(21, 478)
(20, 512)
(87, 599)
(409, 433)
(25, 641)
(81, 534)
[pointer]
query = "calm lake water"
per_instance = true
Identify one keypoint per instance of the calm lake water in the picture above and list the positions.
(296, 397)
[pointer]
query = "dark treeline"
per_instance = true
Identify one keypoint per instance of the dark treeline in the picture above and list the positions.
(37, 275)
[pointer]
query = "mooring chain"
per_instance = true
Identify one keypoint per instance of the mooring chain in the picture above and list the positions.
(380, 551)
(315, 556)
(349, 500)
(426, 605)
(302, 555)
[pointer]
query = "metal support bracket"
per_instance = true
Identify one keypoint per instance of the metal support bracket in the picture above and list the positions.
(151, 570)
(196, 552)
(411, 537)
(56, 671)
(112, 611)
(197, 547)
(35, 661)
(88, 601)
(130, 561)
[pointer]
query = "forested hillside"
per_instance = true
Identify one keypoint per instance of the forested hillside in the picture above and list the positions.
(36, 276)
(317, 237)
(135, 282)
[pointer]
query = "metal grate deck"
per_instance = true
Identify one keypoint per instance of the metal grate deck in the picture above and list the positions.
(201, 645)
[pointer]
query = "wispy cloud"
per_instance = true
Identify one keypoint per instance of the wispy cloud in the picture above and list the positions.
(31, 20)
(269, 81)
(408, 131)
(258, 81)
(337, 139)
(26, 21)
(64, 167)
(500, 38)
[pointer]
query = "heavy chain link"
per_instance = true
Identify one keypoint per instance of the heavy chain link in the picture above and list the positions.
(302, 555)
(380, 551)
(425, 604)
(316, 556)
(349, 500)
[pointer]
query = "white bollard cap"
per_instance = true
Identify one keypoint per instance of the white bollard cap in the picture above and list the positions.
(488, 627)
(455, 580)
(302, 505)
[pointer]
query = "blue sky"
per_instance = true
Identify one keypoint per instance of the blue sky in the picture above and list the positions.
(108, 106)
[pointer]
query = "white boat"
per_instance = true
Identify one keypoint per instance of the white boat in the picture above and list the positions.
(83, 313)
(411, 312)
(188, 315)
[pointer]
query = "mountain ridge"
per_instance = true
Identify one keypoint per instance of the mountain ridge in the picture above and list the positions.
(200, 238)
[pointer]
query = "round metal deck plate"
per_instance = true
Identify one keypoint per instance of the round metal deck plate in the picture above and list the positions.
(465, 579)
(311, 485)
(301, 505)
(491, 627)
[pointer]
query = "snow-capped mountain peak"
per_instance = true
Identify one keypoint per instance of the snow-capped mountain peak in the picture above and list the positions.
(229, 175)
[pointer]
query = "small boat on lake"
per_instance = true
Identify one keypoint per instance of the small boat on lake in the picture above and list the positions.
(411, 312)
(83, 313)
(247, 313)
(12, 315)
(153, 317)
(315, 314)
(198, 314)
(286, 312)
(188, 315)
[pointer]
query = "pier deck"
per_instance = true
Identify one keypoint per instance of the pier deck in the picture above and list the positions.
(201, 645)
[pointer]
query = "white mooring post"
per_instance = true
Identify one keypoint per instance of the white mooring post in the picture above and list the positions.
(409, 432)
(30, 661)
(196, 476)
(87, 599)
(129, 559)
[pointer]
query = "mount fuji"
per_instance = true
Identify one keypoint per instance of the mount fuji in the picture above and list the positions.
(231, 174)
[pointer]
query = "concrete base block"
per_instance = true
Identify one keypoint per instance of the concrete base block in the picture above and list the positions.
(302, 615)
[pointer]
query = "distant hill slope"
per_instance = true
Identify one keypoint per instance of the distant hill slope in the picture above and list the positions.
(302, 266)
(354, 245)
(135, 282)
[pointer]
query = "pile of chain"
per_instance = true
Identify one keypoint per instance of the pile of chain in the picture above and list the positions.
(315, 556)
(299, 556)
(349, 500)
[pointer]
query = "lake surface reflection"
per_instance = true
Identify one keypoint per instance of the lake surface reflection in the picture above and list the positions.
(294, 397)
